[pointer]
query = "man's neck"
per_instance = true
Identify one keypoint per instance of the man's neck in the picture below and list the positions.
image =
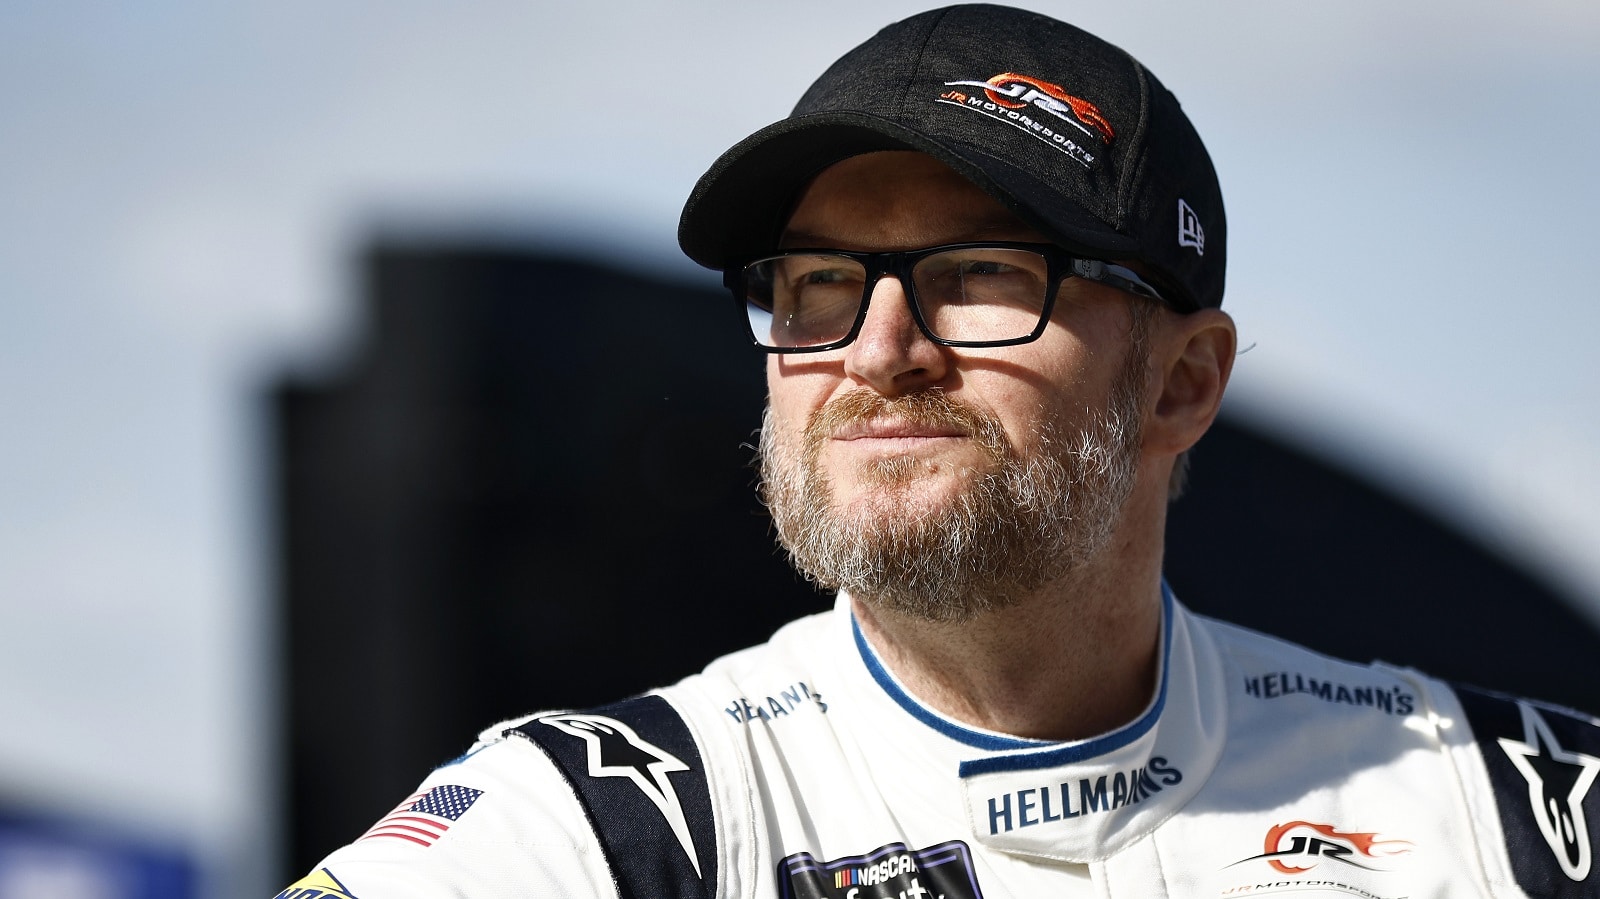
(1074, 660)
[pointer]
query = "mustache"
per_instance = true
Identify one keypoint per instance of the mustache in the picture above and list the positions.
(926, 407)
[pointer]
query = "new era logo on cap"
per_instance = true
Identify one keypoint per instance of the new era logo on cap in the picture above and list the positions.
(1190, 234)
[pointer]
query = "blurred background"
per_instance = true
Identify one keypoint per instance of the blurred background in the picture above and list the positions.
(224, 226)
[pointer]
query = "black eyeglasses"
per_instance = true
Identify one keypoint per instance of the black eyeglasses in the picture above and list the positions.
(961, 295)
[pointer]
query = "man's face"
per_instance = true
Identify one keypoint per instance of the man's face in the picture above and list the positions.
(943, 481)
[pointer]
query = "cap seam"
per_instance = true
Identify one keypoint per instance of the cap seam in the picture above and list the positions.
(902, 109)
(1132, 173)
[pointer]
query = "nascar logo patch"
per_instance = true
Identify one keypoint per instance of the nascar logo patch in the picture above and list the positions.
(320, 884)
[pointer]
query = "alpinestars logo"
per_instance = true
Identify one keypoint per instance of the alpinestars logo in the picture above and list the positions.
(1298, 846)
(614, 750)
(1558, 781)
(1016, 99)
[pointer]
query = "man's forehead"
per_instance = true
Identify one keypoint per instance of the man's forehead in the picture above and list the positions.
(898, 198)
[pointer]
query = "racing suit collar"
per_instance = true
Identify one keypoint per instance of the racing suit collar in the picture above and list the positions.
(1084, 800)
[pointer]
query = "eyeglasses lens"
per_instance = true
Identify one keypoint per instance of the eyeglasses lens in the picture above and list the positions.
(967, 295)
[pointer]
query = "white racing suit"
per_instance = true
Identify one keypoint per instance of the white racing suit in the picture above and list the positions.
(800, 769)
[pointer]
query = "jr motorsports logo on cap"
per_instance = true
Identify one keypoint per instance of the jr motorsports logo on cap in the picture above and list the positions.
(1039, 108)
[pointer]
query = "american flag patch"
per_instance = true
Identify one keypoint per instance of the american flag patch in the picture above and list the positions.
(424, 817)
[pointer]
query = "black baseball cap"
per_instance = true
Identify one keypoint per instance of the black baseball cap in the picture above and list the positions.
(1068, 131)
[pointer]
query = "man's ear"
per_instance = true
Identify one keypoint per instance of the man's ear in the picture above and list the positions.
(1192, 356)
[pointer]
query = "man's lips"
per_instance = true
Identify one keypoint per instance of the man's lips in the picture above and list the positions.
(895, 429)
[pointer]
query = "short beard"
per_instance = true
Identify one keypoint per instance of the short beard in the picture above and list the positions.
(1021, 524)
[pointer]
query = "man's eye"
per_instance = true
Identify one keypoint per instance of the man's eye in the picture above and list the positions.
(824, 276)
(985, 267)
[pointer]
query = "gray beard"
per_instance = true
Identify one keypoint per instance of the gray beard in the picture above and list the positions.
(1020, 524)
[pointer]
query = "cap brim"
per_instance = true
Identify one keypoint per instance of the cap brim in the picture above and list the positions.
(740, 206)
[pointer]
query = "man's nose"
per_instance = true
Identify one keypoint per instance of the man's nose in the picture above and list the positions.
(891, 354)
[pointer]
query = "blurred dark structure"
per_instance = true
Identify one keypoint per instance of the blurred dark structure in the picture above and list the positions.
(528, 490)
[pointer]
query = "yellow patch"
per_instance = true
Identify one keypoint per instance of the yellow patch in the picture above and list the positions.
(320, 884)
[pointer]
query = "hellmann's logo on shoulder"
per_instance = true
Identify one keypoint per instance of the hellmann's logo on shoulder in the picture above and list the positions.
(1391, 699)
(1039, 108)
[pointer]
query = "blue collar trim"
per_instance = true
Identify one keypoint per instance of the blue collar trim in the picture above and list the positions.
(1044, 754)
(977, 738)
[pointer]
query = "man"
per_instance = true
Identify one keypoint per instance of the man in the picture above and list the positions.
(986, 256)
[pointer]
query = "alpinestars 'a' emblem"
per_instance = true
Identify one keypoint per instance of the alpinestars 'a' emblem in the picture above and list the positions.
(614, 750)
(1558, 780)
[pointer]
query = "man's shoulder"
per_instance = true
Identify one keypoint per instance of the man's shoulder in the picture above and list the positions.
(1525, 769)
(647, 773)
(1267, 667)
(641, 776)
(1270, 666)
(622, 794)
(615, 797)
(1540, 762)
(465, 831)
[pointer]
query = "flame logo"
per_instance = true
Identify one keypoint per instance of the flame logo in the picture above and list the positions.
(1010, 90)
(1367, 844)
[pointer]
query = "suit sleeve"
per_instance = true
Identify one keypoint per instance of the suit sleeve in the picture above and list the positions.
(501, 822)
(1540, 763)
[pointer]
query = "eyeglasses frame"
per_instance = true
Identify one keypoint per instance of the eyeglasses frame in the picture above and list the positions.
(1060, 264)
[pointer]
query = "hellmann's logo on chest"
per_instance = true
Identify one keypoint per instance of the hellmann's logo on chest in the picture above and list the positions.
(1084, 796)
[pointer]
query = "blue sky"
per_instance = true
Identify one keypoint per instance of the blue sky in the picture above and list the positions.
(1412, 204)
